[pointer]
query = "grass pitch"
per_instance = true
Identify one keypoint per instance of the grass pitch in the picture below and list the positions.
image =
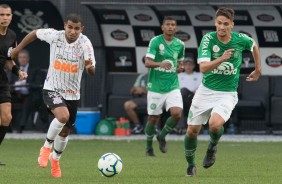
(236, 163)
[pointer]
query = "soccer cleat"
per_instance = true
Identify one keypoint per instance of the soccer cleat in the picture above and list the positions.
(137, 129)
(55, 167)
(43, 156)
(150, 152)
(2, 164)
(210, 157)
(191, 171)
(162, 144)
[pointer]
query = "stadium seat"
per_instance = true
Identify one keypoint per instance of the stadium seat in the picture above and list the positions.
(119, 85)
(276, 103)
(252, 110)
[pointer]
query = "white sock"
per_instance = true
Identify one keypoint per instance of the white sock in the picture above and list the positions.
(54, 129)
(60, 145)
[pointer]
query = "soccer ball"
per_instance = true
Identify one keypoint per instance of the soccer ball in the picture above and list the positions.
(110, 164)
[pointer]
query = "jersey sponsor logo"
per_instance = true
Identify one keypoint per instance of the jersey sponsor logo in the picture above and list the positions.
(65, 67)
(225, 68)
(274, 61)
(205, 44)
(67, 91)
(175, 55)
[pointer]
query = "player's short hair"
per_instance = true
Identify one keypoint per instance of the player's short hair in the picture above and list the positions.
(5, 6)
(75, 18)
(226, 12)
(169, 18)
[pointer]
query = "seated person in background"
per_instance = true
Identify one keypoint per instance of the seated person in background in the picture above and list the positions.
(189, 81)
(25, 92)
(138, 102)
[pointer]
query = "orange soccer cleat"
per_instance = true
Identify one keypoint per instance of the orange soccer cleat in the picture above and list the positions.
(43, 156)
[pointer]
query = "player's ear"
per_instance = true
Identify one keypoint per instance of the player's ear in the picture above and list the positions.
(232, 24)
(162, 27)
(82, 28)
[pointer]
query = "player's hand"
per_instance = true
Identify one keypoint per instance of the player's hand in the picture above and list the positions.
(88, 64)
(22, 75)
(227, 54)
(166, 65)
(254, 76)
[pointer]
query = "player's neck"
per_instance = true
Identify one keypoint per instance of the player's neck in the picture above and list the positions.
(3, 30)
(168, 38)
(224, 39)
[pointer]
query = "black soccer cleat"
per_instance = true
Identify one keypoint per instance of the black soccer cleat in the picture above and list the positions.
(209, 159)
(150, 152)
(191, 171)
(162, 144)
(138, 129)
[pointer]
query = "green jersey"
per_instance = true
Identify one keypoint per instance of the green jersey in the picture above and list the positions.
(161, 80)
(226, 76)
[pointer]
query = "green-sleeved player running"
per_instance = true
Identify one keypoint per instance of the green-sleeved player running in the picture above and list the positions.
(219, 57)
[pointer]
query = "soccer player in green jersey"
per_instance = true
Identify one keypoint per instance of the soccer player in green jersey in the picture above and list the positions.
(219, 57)
(164, 58)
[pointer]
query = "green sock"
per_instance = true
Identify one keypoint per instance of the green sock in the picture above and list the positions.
(215, 136)
(190, 144)
(169, 125)
(150, 131)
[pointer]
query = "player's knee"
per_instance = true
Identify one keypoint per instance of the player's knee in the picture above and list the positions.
(214, 127)
(129, 105)
(63, 118)
(6, 119)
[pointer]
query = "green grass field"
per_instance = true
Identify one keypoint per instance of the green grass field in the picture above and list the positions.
(236, 163)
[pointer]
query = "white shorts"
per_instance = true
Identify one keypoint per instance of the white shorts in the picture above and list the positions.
(156, 101)
(207, 101)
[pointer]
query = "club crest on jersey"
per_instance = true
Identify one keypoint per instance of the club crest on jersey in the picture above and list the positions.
(161, 47)
(215, 48)
(77, 51)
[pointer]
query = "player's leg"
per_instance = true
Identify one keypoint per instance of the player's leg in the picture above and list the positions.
(199, 114)
(61, 140)
(154, 108)
(150, 131)
(224, 104)
(6, 117)
(58, 108)
(174, 103)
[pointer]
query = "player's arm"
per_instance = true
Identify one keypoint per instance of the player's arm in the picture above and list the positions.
(150, 63)
(210, 66)
(30, 37)
(256, 73)
(11, 66)
(89, 67)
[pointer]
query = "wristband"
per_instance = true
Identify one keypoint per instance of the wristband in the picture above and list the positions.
(15, 70)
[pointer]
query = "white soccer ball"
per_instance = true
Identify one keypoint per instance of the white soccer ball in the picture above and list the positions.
(110, 164)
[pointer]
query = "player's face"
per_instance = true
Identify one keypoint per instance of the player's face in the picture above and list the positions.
(223, 26)
(169, 27)
(72, 30)
(5, 17)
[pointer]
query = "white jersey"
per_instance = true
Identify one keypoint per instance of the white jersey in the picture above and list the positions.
(66, 62)
(191, 82)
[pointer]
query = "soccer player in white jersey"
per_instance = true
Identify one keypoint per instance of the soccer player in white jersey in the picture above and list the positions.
(219, 57)
(70, 53)
(164, 58)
